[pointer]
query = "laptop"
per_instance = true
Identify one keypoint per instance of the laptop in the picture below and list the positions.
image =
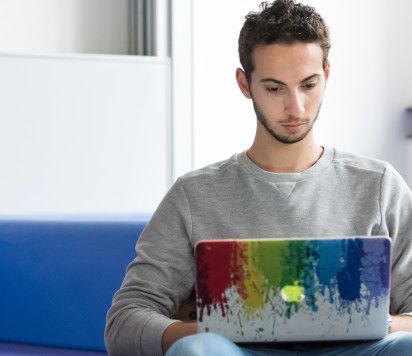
(294, 289)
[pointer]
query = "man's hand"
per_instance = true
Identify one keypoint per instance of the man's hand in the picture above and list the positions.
(176, 331)
(401, 323)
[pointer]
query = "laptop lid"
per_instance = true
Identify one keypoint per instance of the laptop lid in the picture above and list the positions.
(295, 289)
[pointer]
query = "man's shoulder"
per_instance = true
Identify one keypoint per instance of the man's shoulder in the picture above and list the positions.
(360, 162)
(211, 171)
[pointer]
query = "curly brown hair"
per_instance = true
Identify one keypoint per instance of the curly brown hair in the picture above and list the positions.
(283, 21)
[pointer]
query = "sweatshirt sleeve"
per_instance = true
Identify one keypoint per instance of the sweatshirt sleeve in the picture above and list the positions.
(159, 278)
(396, 208)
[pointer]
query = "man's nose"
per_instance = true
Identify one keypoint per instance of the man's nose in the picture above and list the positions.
(294, 105)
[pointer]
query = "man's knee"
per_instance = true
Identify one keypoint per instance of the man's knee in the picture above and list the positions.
(400, 343)
(204, 344)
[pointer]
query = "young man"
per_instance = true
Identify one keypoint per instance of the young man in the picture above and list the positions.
(283, 185)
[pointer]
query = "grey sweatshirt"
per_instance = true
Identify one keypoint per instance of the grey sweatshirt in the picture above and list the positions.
(340, 195)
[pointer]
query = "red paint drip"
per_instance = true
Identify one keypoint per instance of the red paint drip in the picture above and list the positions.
(240, 262)
(213, 275)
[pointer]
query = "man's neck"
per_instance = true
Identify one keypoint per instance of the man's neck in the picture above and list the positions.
(282, 158)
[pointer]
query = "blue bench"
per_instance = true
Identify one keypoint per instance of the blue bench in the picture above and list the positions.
(58, 275)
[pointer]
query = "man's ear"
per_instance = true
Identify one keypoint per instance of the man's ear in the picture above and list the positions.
(243, 83)
(327, 69)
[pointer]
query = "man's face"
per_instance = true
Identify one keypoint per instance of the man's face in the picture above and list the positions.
(287, 88)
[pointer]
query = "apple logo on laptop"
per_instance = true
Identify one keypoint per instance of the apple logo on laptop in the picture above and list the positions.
(293, 293)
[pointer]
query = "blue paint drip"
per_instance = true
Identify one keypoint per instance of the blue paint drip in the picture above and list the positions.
(308, 279)
(330, 252)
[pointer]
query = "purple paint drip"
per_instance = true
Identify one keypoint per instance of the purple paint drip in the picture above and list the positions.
(348, 277)
(371, 272)
(374, 273)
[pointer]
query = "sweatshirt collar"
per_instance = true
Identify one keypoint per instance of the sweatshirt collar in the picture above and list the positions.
(321, 164)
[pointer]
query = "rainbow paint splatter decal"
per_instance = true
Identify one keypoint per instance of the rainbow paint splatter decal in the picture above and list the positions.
(290, 289)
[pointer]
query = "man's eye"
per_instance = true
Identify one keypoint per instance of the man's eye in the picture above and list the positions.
(273, 90)
(309, 86)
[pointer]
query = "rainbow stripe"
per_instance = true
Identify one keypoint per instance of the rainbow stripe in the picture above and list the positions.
(245, 280)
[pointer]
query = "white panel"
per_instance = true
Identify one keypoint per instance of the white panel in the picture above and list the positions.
(83, 133)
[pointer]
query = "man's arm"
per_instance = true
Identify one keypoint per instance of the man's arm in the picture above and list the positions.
(156, 282)
(396, 213)
(176, 331)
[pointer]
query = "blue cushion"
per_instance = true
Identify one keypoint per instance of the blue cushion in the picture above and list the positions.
(58, 276)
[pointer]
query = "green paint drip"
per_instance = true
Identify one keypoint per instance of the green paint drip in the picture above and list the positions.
(294, 262)
(269, 262)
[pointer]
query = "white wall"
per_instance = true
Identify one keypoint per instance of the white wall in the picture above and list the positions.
(74, 26)
(369, 87)
(182, 86)
(354, 116)
(223, 121)
(399, 84)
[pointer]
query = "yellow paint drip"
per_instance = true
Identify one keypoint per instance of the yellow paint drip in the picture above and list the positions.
(255, 283)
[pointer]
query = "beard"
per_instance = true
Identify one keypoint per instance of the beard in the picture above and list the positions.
(290, 139)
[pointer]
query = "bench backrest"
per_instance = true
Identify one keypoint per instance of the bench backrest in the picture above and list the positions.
(58, 276)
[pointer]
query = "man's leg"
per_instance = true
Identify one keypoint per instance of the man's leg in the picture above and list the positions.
(210, 344)
(399, 344)
(204, 344)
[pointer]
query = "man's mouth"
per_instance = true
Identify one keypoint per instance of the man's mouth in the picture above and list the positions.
(293, 127)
